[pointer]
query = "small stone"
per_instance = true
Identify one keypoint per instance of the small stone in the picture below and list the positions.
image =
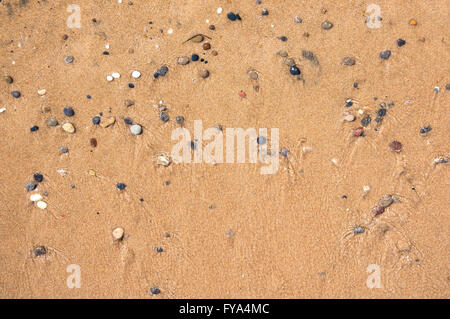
(358, 131)
(121, 186)
(203, 73)
(3, 109)
(163, 70)
(214, 53)
(253, 75)
(164, 117)
(115, 75)
(396, 146)
(283, 38)
(136, 129)
(93, 142)
(261, 140)
(401, 42)
(63, 149)
(41, 204)
(136, 74)
(289, 62)
(41, 92)
(128, 121)
(195, 57)
(206, 46)
(385, 201)
(96, 120)
(68, 59)
(349, 61)
(283, 54)
(424, 130)
(327, 25)
(34, 128)
(294, 70)
(8, 79)
(298, 20)
(38, 177)
(31, 186)
(109, 78)
(52, 122)
(39, 251)
(15, 94)
(106, 122)
(385, 54)
(381, 112)
(68, 111)
(212, 27)
(349, 118)
(231, 16)
(35, 197)
(377, 210)
(358, 230)
(179, 120)
(163, 159)
(68, 127)
(265, 12)
(118, 233)
(284, 152)
(366, 120)
(183, 60)
(155, 291)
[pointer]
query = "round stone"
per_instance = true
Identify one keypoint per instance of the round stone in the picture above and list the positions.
(349, 118)
(35, 197)
(136, 74)
(294, 70)
(385, 54)
(118, 233)
(164, 117)
(15, 94)
(179, 119)
(206, 46)
(68, 111)
(261, 140)
(136, 129)
(327, 25)
(385, 201)
(203, 73)
(52, 122)
(68, 127)
(96, 120)
(69, 59)
(109, 78)
(253, 75)
(396, 146)
(8, 79)
(41, 204)
(115, 75)
(63, 149)
(183, 60)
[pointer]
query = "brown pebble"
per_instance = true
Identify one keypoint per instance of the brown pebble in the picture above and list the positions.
(203, 73)
(206, 46)
(8, 79)
(65, 37)
(396, 146)
(377, 210)
(358, 131)
(107, 121)
(214, 52)
(45, 109)
(349, 61)
(93, 142)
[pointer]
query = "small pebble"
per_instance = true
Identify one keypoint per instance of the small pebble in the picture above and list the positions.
(203, 73)
(195, 57)
(396, 146)
(179, 120)
(349, 118)
(231, 16)
(68, 59)
(253, 75)
(385, 201)
(115, 75)
(128, 120)
(68, 127)
(163, 160)
(155, 291)
(8, 79)
(289, 62)
(31, 186)
(41, 204)
(183, 60)
(366, 120)
(131, 85)
(327, 25)
(265, 12)
(283, 38)
(284, 152)
(424, 130)
(41, 92)
(68, 111)
(109, 78)
(118, 233)
(261, 140)
(136, 129)
(206, 46)
(39, 251)
(38, 177)
(34, 128)
(164, 117)
(401, 42)
(159, 250)
(212, 27)
(385, 54)
(294, 70)
(358, 132)
(52, 122)
(349, 61)
(377, 210)
(381, 112)
(15, 94)
(96, 120)
(121, 186)
(298, 20)
(136, 74)
(63, 149)
(35, 197)
(358, 230)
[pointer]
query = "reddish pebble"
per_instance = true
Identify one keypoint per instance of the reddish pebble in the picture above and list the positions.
(396, 146)
(358, 131)
(242, 94)
(93, 142)
(377, 210)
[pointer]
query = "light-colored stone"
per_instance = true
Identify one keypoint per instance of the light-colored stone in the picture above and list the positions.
(108, 121)
(68, 127)
(118, 233)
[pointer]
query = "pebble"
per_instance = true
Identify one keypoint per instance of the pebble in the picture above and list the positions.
(35, 197)
(38, 177)
(284, 152)
(212, 27)
(327, 25)
(68, 127)
(118, 233)
(155, 291)
(365, 121)
(109, 78)
(136, 74)
(39, 251)
(381, 112)
(283, 54)
(8, 79)
(115, 75)
(261, 140)
(206, 46)
(424, 130)
(41, 92)
(121, 186)
(41, 204)
(349, 118)
(358, 230)
(203, 73)
(283, 38)
(294, 70)
(131, 85)
(349, 61)
(179, 120)
(164, 117)
(396, 146)
(128, 120)
(265, 12)
(163, 160)
(401, 42)
(183, 60)
(136, 129)
(385, 54)
(63, 149)
(68, 59)
(68, 111)
(253, 75)
(289, 62)
(377, 210)
(358, 131)
(34, 128)
(385, 201)
(195, 57)
(31, 186)
(15, 94)
(298, 20)
(107, 122)
(52, 122)
(93, 142)
(96, 120)
(3, 109)
(231, 16)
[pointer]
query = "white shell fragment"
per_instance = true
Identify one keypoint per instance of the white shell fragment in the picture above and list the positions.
(41, 204)
(35, 197)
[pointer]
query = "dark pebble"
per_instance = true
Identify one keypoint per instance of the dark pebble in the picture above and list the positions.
(63, 149)
(195, 57)
(128, 120)
(93, 142)
(68, 111)
(447, 86)
(379, 119)
(348, 102)
(88, 96)
(159, 250)
(131, 85)
(238, 17)
(349, 61)
(424, 130)
(212, 27)
(179, 120)
(377, 210)
(385, 54)
(15, 94)
(38, 177)
(34, 128)
(96, 120)
(105, 53)
(155, 291)
(396, 146)
(401, 42)
(231, 16)
(265, 12)
(381, 112)
(39, 251)
(294, 70)
(284, 152)
(164, 116)
(31, 186)
(366, 120)
(8, 79)
(121, 186)
(283, 38)
(261, 140)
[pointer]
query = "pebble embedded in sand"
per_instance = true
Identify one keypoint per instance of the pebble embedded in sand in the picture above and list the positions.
(289, 62)
(327, 25)
(203, 73)
(349, 61)
(39, 251)
(115, 75)
(41, 92)
(253, 75)
(3, 109)
(68, 127)
(109, 78)
(106, 122)
(377, 210)
(31, 186)
(385, 201)
(396, 146)
(118, 233)
(136, 129)
(68, 59)
(183, 60)
(163, 160)
(385, 54)
(8, 79)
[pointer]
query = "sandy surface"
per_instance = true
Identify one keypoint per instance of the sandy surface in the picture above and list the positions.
(226, 230)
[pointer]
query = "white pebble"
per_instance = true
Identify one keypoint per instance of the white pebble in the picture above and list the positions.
(366, 188)
(115, 75)
(109, 78)
(118, 233)
(35, 197)
(136, 74)
(219, 10)
(62, 172)
(170, 31)
(3, 109)
(334, 161)
(41, 204)
(42, 92)
(107, 46)
(119, 1)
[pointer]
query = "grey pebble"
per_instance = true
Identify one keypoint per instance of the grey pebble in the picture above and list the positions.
(283, 54)
(298, 20)
(366, 120)
(69, 59)
(31, 186)
(63, 149)
(183, 60)
(358, 230)
(385, 54)
(203, 73)
(385, 201)
(253, 75)
(327, 25)
(52, 122)
(136, 129)
(349, 61)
